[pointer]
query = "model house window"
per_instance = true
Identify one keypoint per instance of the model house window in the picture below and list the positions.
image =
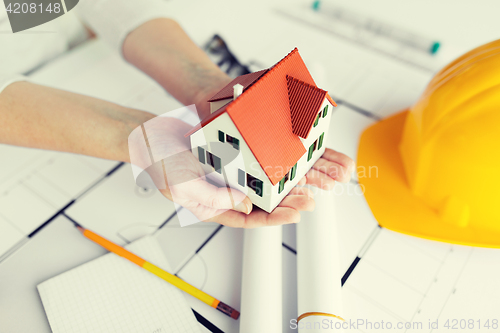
(320, 143)
(317, 119)
(282, 183)
(214, 161)
(293, 171)
(235, 142)
(255, 184)
(312, 148)
(221, 136)
(201, 155)
(241, 177)
(325, 111)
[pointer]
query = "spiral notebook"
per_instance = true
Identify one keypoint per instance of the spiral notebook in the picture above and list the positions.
(111, 294)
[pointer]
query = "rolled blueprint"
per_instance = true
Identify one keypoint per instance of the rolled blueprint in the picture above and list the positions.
(261, 289)
(318, 268)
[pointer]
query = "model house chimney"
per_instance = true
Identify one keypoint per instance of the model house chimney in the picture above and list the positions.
(237, 90)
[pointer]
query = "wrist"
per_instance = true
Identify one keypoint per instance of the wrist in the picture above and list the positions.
(131, 120)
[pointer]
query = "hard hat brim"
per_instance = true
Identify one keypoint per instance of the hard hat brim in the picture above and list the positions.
(382, 178)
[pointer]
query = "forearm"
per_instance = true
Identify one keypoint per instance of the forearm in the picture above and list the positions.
(161, 49)
(40, 117)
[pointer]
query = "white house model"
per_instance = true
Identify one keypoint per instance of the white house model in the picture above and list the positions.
(265, 131)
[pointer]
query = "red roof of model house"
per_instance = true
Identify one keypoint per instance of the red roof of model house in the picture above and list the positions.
(305, 100)
(276, 108)
(245, 80)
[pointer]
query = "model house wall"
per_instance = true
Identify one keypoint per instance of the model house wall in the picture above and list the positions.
(303, 164)
(234, 162)
(207, 138)
(216, 105)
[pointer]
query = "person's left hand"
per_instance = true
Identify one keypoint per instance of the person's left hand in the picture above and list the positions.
(180, 178)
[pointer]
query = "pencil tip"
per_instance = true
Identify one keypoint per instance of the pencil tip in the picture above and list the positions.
(80, 228)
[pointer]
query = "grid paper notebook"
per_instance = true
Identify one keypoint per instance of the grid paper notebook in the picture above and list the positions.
(111, 294)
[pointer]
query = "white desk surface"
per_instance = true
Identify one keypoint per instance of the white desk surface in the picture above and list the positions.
(398, 278)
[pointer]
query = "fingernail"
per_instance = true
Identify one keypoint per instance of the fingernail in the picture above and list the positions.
(242, 207)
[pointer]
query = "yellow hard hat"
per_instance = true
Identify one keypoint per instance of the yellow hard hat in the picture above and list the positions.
(438, 163)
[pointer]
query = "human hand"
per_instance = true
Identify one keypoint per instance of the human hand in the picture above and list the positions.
(179, 177)
(332, 166)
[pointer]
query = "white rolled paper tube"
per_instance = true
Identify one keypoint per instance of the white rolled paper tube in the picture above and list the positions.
(261, 287)
(318, 268)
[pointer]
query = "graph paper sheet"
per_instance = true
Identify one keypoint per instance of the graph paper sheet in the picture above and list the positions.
(111, 294)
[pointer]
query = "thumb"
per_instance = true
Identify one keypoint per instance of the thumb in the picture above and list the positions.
(200, 191)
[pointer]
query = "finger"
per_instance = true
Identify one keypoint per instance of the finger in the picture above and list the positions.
(299, 199)
(301, 191)
(339, 158)
(230, 218)
(258, 218)
(298, 202)
(279, 216)
(302, 181)
(208, 214)
(200, 191)
(334, 170)
(234, 219)
(284, 215)
(319, 179)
